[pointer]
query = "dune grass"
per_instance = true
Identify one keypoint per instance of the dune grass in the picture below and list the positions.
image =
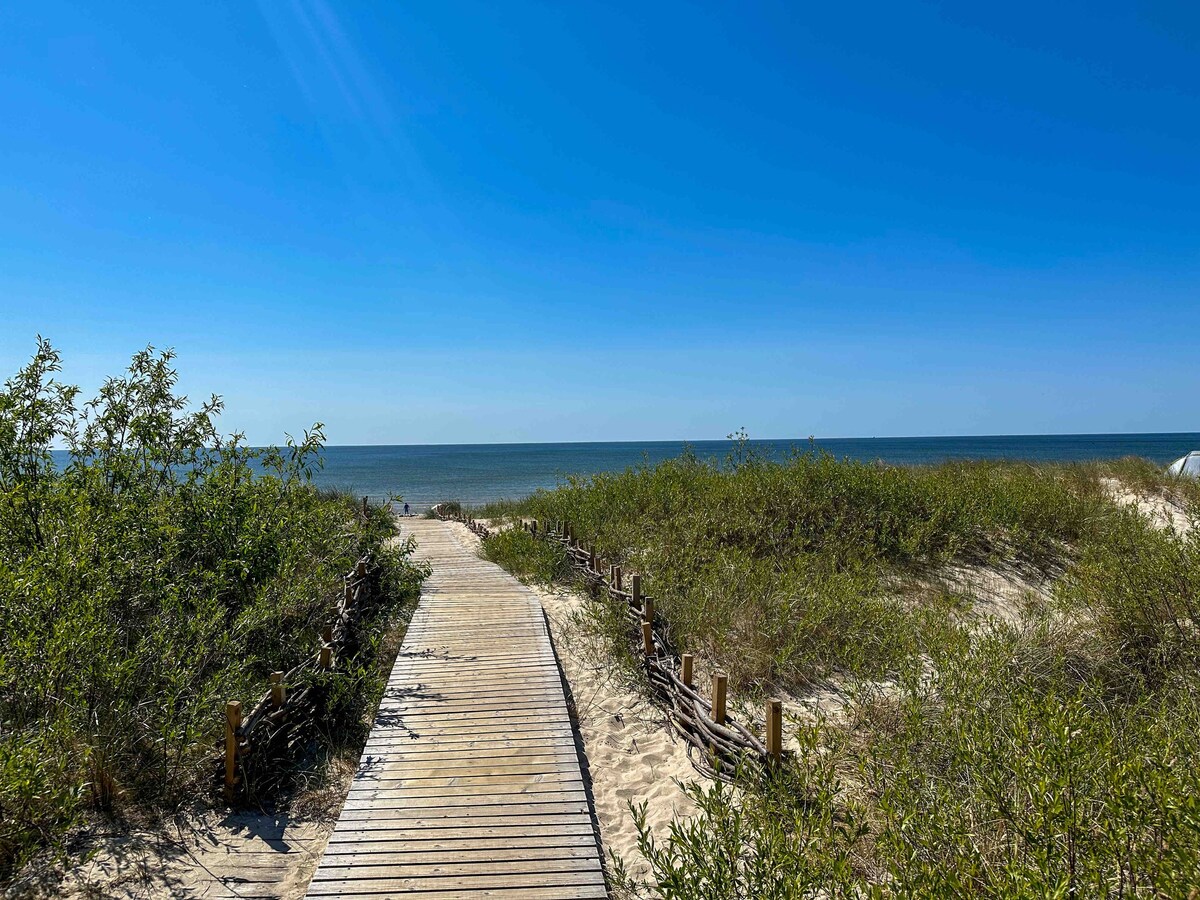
(784, 572)
(1054, 755)
(162, 571)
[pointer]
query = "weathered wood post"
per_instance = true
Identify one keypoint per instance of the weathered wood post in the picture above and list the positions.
(719, 684)
(278, 690)
(635, 588)
(364, 506)
(775, 729)
(233, 721)
(347, 595)
(360, 569)
(648, 609)
(617, 577)
(685, 674)
(647, 639)
(325, 657)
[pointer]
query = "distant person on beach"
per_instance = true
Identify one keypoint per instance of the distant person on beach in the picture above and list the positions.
(406, 509)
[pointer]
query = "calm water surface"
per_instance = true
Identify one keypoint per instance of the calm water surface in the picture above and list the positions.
(478, 473)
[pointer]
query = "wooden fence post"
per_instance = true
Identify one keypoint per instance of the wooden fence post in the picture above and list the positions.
(720, 682)
(347, 595)
(647, 638)
(592, 560)
(360, 569)
(648, 609)
(617, 577)
(278, 690)
(233, 721)
(635, 588)
(686, 666)
(325, 657)
(775, 729)
(364, 506)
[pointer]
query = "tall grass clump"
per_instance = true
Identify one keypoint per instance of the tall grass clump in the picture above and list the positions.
(528, 558)
(161, 570)
(785, 571)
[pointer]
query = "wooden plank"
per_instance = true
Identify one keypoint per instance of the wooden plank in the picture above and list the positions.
(585, 892)
(396, 884)
(469, 785)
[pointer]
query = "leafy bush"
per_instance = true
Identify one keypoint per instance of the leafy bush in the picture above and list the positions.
(1141, 584)
(786, 571)
(526, 557)
(162, 570)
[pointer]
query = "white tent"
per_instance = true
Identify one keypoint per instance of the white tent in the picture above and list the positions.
(1186, 465)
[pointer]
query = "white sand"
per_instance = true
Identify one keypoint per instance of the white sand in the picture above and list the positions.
(207, 855)
(1160, 510)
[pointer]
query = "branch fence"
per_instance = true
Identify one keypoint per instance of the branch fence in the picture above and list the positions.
(281, 717)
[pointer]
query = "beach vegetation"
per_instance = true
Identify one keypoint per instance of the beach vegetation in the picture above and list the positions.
(148, 573)
(1052, 752)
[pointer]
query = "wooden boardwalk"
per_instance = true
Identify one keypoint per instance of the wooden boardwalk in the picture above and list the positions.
(469, 785)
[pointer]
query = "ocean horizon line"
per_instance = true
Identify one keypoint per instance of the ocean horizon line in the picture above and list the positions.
(781, 440)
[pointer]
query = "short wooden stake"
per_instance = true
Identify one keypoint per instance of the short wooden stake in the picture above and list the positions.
(233, 721)
(617, 577)
(775, 729)
(685, 674)
(533, 526)
(364, 506)
(635, 587)
(325, 656)
(347, 595)
(592, 560)
(360, 570)
(278, 690)
(648, 638)
(720, 682)
(648, 609)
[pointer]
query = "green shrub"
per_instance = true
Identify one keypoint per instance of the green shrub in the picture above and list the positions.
(531, 560)
(1017, 770)
(787, 571)
(1141, 585)
(161, 571)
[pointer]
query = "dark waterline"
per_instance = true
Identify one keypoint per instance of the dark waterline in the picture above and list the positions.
(479, 473)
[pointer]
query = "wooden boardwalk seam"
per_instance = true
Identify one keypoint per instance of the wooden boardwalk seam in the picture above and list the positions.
(469, 785)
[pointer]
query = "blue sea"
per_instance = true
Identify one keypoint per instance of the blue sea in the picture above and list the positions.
(479, 473)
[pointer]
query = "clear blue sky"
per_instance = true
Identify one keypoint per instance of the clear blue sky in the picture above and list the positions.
(443, 222)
